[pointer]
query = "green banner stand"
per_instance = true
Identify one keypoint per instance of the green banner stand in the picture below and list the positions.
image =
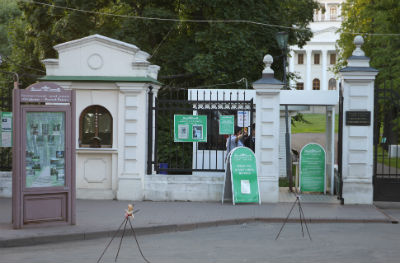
(226, 124)
(241, 175)
(190, 128)
(312, 168)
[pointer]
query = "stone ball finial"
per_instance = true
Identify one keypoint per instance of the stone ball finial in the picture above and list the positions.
(358, 41)
(268, 59)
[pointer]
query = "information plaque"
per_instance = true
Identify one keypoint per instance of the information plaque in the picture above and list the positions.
(190, 128)
(358, 118)
(312, 168)
(241, 177)
(226, 124)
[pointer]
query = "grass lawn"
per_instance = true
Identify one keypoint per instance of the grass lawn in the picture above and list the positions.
(317, 124)
(384, 158)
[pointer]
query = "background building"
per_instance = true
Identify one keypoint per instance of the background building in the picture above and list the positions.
(313, 63)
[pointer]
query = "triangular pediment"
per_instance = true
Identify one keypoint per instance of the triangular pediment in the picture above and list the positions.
(98, 55)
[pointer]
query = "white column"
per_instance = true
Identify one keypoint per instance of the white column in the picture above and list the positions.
(267, 132)
(291, 67)
(324, 81)
(357, 162)
(327, 12)
(308, 84)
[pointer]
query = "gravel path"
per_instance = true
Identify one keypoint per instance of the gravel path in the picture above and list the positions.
(301, 139)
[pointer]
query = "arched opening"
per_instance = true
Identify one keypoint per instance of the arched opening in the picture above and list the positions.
(332, 84)
(95, 127)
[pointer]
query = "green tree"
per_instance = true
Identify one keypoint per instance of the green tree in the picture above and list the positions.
(372, 18)
(190, 54)
(378, 21)
(8, 11)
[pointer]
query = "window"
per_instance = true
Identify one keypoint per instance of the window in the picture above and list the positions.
(332, 84)
(316, 59)
(300, 59)
(333, 13)
(315, 84)
(333, 59)
(95, 128)
(300, 85)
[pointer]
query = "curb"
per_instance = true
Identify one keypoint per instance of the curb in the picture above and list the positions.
(38, 240)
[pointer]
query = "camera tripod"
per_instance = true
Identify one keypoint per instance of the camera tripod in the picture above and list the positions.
(126, 220)
(302, 218)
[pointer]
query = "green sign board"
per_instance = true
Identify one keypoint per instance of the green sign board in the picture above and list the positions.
(190, 128)
(312, 168)
(226, 124)
(6, 129)
(243, 173)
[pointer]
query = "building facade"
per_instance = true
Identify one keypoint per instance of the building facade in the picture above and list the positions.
(313, 63)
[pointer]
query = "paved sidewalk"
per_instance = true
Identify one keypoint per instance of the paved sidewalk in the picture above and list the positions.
(100, 218)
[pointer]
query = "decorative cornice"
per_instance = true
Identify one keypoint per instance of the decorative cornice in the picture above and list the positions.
(100, 79)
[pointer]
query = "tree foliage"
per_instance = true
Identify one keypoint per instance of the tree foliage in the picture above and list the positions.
(190, 54)
(379, 23)
(370, 17)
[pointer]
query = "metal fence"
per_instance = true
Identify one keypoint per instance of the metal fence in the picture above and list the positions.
(386, 177)
(165, 155)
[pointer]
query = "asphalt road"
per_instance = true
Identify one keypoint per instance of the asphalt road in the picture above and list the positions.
(240, 243)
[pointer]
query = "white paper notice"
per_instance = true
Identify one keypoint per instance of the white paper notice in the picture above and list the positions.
(245, 186)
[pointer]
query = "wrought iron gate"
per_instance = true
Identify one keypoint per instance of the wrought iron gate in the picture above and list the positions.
(338, 175)
(168, 157)
(386, 177)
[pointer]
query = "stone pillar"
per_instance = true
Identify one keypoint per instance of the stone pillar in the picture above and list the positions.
(308, 84)
(267, 132)
(357, 164)
(324, 81)
(132, 122)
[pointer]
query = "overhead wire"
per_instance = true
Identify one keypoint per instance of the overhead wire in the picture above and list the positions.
(197, 20)
(243, 21)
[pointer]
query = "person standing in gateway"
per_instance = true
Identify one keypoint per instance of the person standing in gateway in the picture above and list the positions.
(250, 141)
(234, 141)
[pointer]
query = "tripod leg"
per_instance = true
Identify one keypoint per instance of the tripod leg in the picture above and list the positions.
(116, 232)
(134, 235)
(120, 242)
(305, 222)
(287, 218)
(301, 220)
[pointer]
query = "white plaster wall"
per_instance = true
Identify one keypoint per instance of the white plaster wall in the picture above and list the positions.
(204, 187)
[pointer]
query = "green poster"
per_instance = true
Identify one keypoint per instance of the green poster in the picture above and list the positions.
(226, 124)
(6, 129)
(244, 176)
(190, 128)
(312, 168)
(45, 149)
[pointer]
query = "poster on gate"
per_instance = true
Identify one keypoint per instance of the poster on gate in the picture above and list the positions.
(243, 118)
(190, 128)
